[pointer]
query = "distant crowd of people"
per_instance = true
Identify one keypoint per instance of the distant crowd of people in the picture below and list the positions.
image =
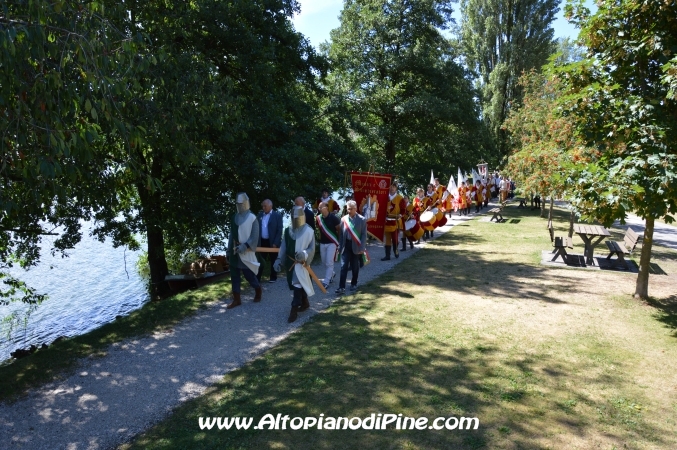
(342, 234)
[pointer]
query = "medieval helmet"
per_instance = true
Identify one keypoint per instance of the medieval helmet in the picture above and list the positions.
(298, 217)
(242, 201)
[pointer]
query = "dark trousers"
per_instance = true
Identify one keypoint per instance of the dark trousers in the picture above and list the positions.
(349, 261)
(248, 275)
(271, 257)
(299, 294)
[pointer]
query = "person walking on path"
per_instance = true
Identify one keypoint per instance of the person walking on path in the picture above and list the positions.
(270, 224)
(242, 242)
(329, 226)
(297, 251)
(352, 245)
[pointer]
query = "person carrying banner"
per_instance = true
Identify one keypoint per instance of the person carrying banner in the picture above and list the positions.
(331, 203)
(242, 242)
(394, 210)
(463, 199)
(329, 226)
(352, 245)
(296, 252)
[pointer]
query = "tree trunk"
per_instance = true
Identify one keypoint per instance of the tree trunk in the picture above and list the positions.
(552, 203)
(151, 213)
(571, 223)
(642, 286)
(542, 206)
(158, 263)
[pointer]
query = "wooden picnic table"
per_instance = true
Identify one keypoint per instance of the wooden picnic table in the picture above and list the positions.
(591, 235)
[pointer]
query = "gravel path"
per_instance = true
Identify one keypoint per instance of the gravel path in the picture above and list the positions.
(113, 398)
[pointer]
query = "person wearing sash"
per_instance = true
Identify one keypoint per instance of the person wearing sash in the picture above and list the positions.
(329, 230)
(394, 210)
(242, 242)
(331, 203)
(352, 245)
(297, 251)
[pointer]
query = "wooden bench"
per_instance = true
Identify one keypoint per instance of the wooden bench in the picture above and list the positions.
(559, 243)
(620, 249)
(496, 214)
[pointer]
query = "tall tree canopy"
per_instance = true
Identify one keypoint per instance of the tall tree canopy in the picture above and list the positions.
(501, 39)
(232, 105)
(149, 116)
(623, 100)
(412, 106)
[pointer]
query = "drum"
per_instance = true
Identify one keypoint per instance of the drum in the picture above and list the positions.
(391, 224)
(439, 215)
(442, 222)
(413, 230)
(428, 220)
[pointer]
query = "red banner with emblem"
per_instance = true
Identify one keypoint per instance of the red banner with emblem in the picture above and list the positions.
(370, 191)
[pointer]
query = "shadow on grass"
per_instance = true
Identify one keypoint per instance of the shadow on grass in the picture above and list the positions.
(342, 365)
(666, 311)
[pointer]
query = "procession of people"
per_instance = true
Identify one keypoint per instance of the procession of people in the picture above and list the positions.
(258, 241)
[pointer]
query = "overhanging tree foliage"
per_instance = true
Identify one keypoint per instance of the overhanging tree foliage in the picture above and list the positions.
(623, 100)
(59, 75)
(412, 106)
(231, 104)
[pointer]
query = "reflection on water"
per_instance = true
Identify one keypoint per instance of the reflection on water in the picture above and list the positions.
(86, 290)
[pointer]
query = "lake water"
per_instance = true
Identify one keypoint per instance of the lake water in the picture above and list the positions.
(86, 290)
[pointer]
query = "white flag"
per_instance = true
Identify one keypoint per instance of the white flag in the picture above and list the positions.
(451, 186)
(432, 178)
(460, 176)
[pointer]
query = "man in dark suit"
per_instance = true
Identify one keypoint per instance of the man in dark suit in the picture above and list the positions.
(310, 217)
(352, 245)
(270, 223)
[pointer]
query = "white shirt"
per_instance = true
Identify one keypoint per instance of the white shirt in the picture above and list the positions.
(264, 226)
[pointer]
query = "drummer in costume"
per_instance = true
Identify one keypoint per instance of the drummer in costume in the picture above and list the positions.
(431, 202)
(394, 210)
(331, 203)
(443, 195)
(408, 214)
(419, 205)
(242, 242)
(297, 251)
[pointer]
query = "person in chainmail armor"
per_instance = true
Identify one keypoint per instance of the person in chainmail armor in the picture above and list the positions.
(297, 251)
(242, 242)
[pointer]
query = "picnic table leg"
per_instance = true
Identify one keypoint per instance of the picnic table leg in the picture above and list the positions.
(586, 241)
(592, 249)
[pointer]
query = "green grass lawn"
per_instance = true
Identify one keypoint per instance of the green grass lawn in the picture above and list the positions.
(470, 326)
